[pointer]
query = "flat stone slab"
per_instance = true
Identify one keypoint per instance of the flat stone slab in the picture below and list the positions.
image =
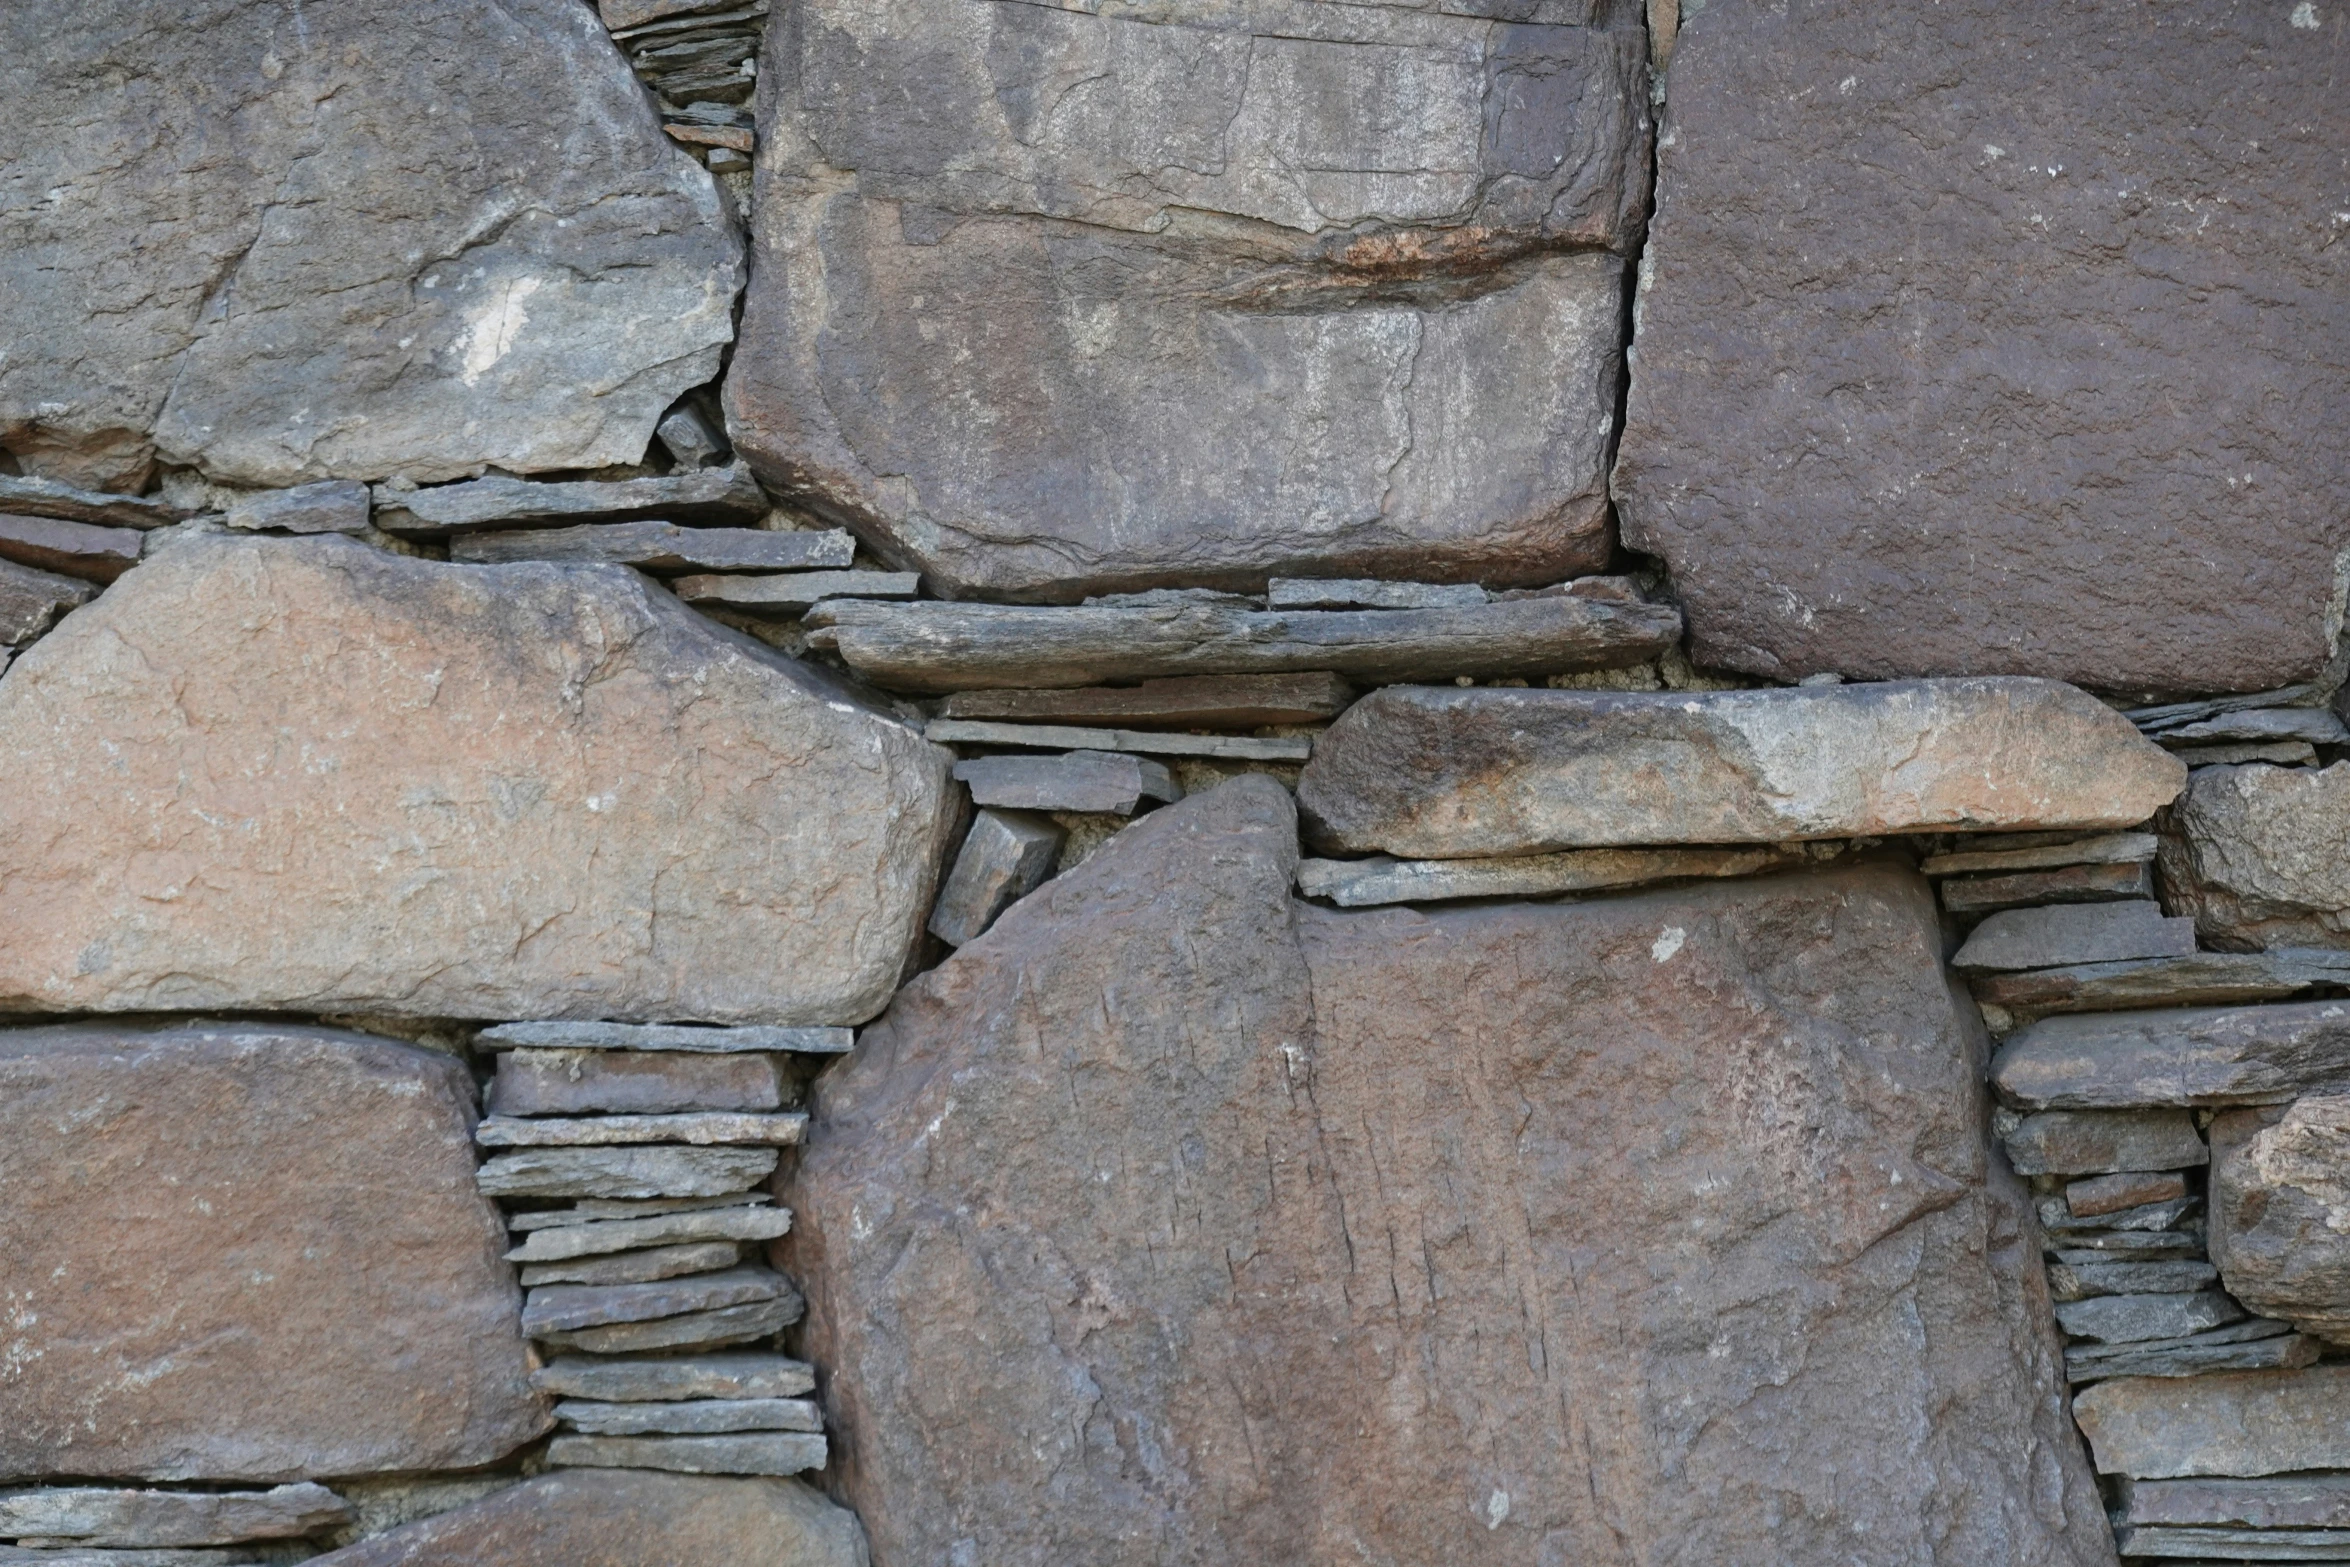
(708, 1416)
(625, 1172)
(642, 1082)
(938, 647)
(647, 817)
(709, 496)
(329, 506)
(35, 496)
(2280, 1210)
(2112, 1193)
(2247, 1423)
(1368, 593)
(704, 1128)
(1965, 895)
(588, 1209)
(760, 1453)
(96, 1556)
(2190, 1358)
(30, 600)
(1058, 737)
(93, 1515)
(2099, 1142)
(2315, 725)
(2253, 855)
(2086, 1281)
(791, 594)
(2071, 933)
(1438, 773)
(1180, 701)
(558, 1243)
(2121, 1318)
(332, 1300)
(2156, 1218)
(1369, 883)
(2126, 1245)
(2119, 848)
(2291, 1502)
(2205, 978)
(636, 1267)
(562, 1308)
(2288, 753)
(693, 1330)
(1101, 781)
(2264, 1545)
(557, 1035)
(2200, 1057)
(323, 310)
(662, 547)
(673, 1377)
(1005, 856)
(73, 549)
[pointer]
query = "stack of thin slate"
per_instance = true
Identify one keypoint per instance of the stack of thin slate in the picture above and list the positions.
(106, 1526)
(2283, 727)
(658, 1139)
(700, 58)
(58, 546)
(733, 1413)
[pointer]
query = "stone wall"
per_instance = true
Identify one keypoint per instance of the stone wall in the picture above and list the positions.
(948, 783)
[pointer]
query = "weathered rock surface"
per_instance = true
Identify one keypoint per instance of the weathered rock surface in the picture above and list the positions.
(2119, 1318)
(625, 1172)
(1366, 883)
(2195, 1056)
(703, 496)
(625, 1520)
(590, 1209)
(248, 1253)
(330, 506)
(2260, 856)
(1005, 856)
(1180, 701)
(645, 1082)
(31, 599)
(1224, 1175)
(2205, 979)
(2076, 1142)
(2315, 725)
(660, 546)
(39, 497)
(2067, 933)
(1860, 453)
(1028, 279)
(1061, 737)
(75, 549)
(304, 773)
(2280, 1211)
(2235, 1423)
(92, 1516)
(2297, 1502)
(321, 310)
(1446, 773)
(678, 1377)
(559, 1308)
(698, 1329)
(2275, 1347)
(2071, 1281)
(2116, 848)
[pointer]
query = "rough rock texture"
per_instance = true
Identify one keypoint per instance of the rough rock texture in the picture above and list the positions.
(1054, 300)
(2235, 1423)
(304, 773)
(408, 240)
(1174, 1221)
(2188, 1056)
(2065, 933)
(248, 1253)
(2260, 856)
(2280, 1211)
(1984, 340)
(625, 1518)
(1437, 773)
(2095, 1142)
(643, 1082)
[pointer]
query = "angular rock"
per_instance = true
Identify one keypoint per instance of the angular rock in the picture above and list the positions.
(695, 1330)
(332, 506)
(625, 1172)
(702, 1128)
(2292, 1502)
(2235, 1423)
(2255, 855)
(1400, 1175)
(1055, 737)
(791, 594)
(39, 497)
(2112, 1193)
(1368, 593)
(2074, 1142)
(561, 1242)
(637, 1267)
(2070, 933)
(75, 549)
(89, 1515)
(1824, 436)
(701, 1417)
(30, 600)
(562, 1308)
(1358, 884)
(642, 1082)
(2108, 849)
(625, 1520)
(569, 794)
(2280, 1211)
(2312, 725)
(1179, 702)
(1963, 895)
(2121, 1318)
(2205, 978)
(677, 1377)
(1447, 773)
(2289, 753)
(709, 496)
(1006, 856)
(249, 1253)
(1027, 281)
(2196, 1358)
(2078, 1281)
(932, 647)
(1103, 781)
(323, 310)
(683, 432)
(760, 1453)
(661, 546)
(563, 1035)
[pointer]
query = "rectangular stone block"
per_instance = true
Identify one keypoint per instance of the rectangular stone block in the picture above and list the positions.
(2248, 1423)
(1179, 702)
(767, 1453)
(2073, 884)
(625, 1172)
(570, 1082)
(2296, 1502)
(1377, 880)
(2120, 1318)
(73, 549)
(1059, 737)
(694, 1330)
(705, 1128)
(332, 506)
(636, 1267)
(563, 1308)
(2198, 1056)
(31, 599)
(708, 496)
(789, 595)
(93, 1516)
(708, 1416)
(2204, 979)
(677, 1377)
(1102, 781)
(2112, 1193)
(1005, 857)
(2120, 848)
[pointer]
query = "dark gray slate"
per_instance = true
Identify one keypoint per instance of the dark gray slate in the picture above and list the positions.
(2119, 1318)
(636, 1267)
(2286, 1351)
(706, 496)
(1006, 856)
(2205, 978)
(2197, 1056)
(39, 497)
(2069, 1281)
(102, 1517)
(77, 549)
(2075, 933)
(2255, 856)
(563, 1035)
(561, 1308)
(1976, 338)
(787, 595)
(661, 547)
(692, 1330)
(31, 599)
(330, 506)
(743, 1453)
(2315, 725)
(2076, 1142)
(1181, 702)
(1100, 781)
(2280, 1211)
(676, 1377)
(642, 1082)
(2101, 1194)
(2073, 884)
(625, 1172)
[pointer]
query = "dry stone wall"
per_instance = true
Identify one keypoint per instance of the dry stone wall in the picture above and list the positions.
(788, 784)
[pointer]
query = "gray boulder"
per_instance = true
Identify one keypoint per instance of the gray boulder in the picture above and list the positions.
(2280, 1211)
(2260, 856)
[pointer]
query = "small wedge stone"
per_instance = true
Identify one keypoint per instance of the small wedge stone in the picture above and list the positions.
(673, 1377)
(661, 547)
(2102, 1142)
(1056, 737)
(2102, 1194)
(1368, 593)
(335, 506)
(791, 594)
(2120, 848)
(2121, 1318)
(1006, 856)
(73, 549)
(1097, 781)
(1369, 883)
(772, 1453)
(47, 498)
(2068, 884)
(1182, 702)
(105, 1516)
(707, 1128)
(563, 1308)
(696, 1330)
(562, 1242)
(31, 599)
(625, 1172)
(636, 1267)
(2070, 933)
(638, 1082)
(699, 1417)
(693, 495)
(663, 1036)
(2069, 1282)
(2203, 1057)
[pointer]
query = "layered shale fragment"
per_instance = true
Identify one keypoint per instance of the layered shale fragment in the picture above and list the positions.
(1174, 1220)
(302, 773)
(1051, 301)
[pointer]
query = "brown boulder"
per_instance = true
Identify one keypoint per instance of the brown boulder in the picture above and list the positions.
(1173, 1220)
(248, 1252)
(309, 774)
(2280, 1211)
(1978, 338)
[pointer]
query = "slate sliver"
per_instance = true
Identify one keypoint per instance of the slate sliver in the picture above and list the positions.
(625, 1172)
(695, 1417)
(675, 1377)
(111, 1517)
(662, 547)
(664, 1036)
(764, 1453)
(693, 1330)
(704, 1128)
(565, 1308)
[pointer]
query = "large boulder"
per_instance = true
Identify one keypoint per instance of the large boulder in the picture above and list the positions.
(1173, 1220)
(309, 774)
(624, 1518)
(2260, 856)
(303, 239)
(1054, 300)
(2280, 1211)
(1976, 338)
(248, 1252)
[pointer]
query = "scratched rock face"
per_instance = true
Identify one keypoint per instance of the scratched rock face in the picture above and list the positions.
(1172, 1220)
(1054, 300)
(410, 239)
(1979, 340)
(311, 775)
